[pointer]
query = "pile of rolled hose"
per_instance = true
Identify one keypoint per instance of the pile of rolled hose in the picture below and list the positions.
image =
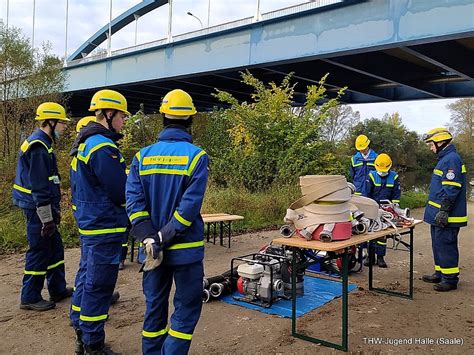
(217, 286)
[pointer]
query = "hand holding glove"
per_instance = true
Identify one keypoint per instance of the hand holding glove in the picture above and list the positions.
(45, 215)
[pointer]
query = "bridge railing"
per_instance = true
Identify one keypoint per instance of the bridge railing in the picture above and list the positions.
(209, 30)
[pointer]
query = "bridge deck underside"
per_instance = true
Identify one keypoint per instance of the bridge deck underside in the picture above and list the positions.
(429, 71)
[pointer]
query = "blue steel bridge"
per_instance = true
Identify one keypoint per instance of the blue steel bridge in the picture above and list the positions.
(383, 50)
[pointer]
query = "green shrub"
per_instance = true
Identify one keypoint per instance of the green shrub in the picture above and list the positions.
(413, 199)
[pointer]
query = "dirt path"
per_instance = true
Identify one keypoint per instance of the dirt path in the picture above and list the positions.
(229, 329)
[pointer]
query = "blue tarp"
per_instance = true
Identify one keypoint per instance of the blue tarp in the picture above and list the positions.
(317, 292)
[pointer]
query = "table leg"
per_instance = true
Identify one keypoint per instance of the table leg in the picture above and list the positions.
(408, 295)
(345, 306)
(221, 233)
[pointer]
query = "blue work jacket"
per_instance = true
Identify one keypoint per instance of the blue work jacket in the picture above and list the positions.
(166, 184)
(360, 168)
(381, 188)
(448, 182)
(98, 183)
(37, 179)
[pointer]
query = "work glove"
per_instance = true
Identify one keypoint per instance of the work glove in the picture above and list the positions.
(143, 230)
(45, 215)
(56, 216)
(154, 255)
(166, 235)
(441, 217)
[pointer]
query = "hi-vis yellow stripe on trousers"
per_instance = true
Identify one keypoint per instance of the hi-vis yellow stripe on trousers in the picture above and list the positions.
(154, 334)
(180, 335)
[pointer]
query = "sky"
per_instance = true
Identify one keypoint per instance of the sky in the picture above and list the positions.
(87, 16)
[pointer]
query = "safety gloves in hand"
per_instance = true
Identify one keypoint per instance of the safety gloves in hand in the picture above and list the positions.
(154, 255)
(441, 217)
(45, 215)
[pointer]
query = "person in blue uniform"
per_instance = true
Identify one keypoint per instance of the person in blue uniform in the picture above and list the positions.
(99, 196)
(362, 163)
(36, 190)
(165, 190)
(382, 184)
(446, 210)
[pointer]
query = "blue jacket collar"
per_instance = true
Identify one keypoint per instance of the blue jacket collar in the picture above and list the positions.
(43, 136)
(450, 148)
(175, 133)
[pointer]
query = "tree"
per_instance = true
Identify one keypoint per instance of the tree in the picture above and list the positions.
(462, 127)
(337, 126)
(268, 141)
(27, 77)
(389, 135)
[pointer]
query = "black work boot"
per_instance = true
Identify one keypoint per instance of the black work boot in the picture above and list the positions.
(79, 345)
(65, 294)
(381, 262)
(432, 279)
(369, 260)
(98, 349)
(115, 297)
(444, 287)
(39, 306)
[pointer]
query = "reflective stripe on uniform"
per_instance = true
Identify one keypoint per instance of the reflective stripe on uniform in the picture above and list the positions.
(125, 245)
(34, 273)
(434, 204)
(381, 243)
(139, 214)
(181, 219)
(373, 180)
(437, 268)
(396, 201)
(102, 231)
(24, 147)
(438, 172)
(180, 335)
(163, 171)
(370, 164)
(452, 183)
(194, 162)
(448, 271)
(455, 219)
(358, 193)
(74, 164)
(75, 308)
(154, 334)
(74, 208)
(463, 169)
(186, 245)
(22, 189)
(93, 318)
(97, 147)
(55, 265)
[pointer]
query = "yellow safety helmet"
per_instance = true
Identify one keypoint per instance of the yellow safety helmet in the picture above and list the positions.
(383, 163)
(437, 135)
(362, 142)
(51, 111)
(84, 122)
(177, 103)
(109, 99)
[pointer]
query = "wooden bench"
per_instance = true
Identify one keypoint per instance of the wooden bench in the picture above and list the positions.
(224, 221)
(219, 222)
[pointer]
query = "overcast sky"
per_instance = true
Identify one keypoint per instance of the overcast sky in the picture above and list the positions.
(87, 16)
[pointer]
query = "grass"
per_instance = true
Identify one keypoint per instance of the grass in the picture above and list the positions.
(261, 210)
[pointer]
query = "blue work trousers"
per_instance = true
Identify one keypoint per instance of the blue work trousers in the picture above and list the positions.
(94, 286)
(444, 242)
(44, 259)
(157, 336)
